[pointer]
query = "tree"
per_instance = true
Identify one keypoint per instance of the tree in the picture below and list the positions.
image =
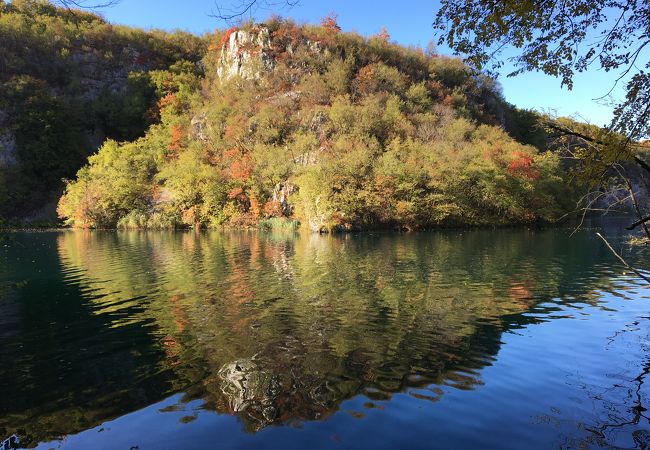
(383, 35)
(562, 39)
(330, 23)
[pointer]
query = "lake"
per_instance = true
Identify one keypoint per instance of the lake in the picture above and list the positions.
(510, 338)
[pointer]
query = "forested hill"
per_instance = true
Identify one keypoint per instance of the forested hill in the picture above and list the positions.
(68, 81)
(278, 124)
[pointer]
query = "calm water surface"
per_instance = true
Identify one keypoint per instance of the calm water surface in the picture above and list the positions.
(493, 339)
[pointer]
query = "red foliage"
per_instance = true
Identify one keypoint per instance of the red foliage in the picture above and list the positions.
(437, 89)
(522, 165)
(226, 36)
(330, 23)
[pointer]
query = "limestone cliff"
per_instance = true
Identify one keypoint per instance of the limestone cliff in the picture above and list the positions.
(246, 54)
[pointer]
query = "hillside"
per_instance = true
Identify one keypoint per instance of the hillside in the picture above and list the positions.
(280, 124)
(68, 81)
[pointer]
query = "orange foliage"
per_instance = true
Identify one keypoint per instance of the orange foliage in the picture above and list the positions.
(383, 35)
(241, 169)
(175, 141)
(240, 164)
(232, 152)
(522, 165)
(189, 215)
(286, 35)
(448, 100)
(168, 100)
(255, 209)
(235, 193)
(272, 208)
(330, 23)
(364, 80)
(235, 127)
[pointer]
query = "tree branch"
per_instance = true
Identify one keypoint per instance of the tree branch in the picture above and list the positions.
(642, 163)
(620, 258)
(638, 222)
(83, 4)
(248, 6)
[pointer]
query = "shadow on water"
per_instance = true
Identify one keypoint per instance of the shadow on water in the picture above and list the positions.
(276, 329)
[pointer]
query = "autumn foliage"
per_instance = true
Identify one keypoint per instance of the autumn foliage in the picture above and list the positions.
(338, 133)
(523, 165)
(226, 36)
(330, 23)
(383, 35)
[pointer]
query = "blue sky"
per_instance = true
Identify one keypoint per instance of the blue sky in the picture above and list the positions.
(408, 23)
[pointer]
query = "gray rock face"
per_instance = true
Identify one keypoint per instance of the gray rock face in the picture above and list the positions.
(246, 54)
(245, 383)
(199, 126)
(7, 149)
(281, 194)
(8, 156)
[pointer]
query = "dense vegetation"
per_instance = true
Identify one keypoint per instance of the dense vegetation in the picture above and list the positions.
(316, 126)
(341, 132)
(553, 38)
(69, 80)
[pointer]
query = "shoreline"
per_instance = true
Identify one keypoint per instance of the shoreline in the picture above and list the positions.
(531, 226)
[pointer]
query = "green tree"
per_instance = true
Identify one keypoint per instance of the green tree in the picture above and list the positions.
(562, 39)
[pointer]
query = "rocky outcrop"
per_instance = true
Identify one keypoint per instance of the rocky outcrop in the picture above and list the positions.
(7, 149)
(281, 193)
(198, 127)
(250, 53)
(246, 54)
(7, 143)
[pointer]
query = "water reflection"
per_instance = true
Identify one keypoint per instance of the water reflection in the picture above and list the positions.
(273, 328)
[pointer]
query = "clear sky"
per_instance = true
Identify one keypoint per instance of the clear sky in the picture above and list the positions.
(408, 23)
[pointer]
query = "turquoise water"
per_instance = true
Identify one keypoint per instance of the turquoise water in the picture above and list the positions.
(449, 339)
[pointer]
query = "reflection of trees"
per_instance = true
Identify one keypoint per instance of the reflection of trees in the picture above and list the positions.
(283, 328)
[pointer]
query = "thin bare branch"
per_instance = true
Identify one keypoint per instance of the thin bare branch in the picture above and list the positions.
(248, 7)
(620, 258)
(84, 4)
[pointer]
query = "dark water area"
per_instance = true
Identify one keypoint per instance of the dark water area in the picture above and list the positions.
(449, 339)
